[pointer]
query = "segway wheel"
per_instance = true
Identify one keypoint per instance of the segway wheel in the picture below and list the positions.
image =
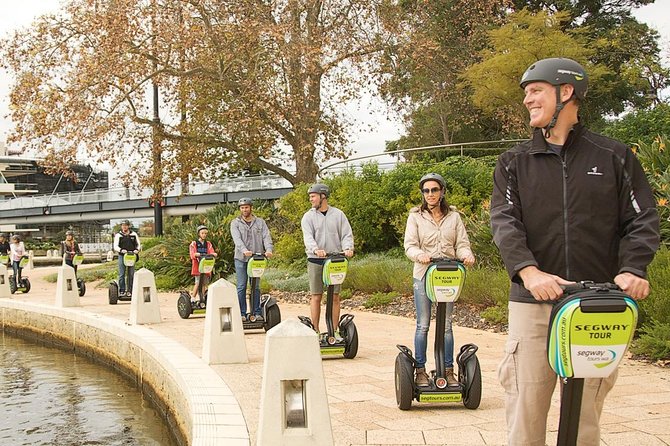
(184, 305)
(350, 340)
(404, 382)
(12, 285)
(113, 293)
(472, 379)
(273, 317)
(25, 283)
(82, 287)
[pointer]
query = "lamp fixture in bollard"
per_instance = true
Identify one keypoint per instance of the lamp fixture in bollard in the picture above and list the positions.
(294, 395)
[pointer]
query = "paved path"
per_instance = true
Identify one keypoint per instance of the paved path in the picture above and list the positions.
(361, 393)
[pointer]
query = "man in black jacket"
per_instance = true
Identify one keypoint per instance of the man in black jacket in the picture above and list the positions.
(568, 205)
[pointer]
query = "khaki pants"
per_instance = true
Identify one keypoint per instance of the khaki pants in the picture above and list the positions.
(529, 381)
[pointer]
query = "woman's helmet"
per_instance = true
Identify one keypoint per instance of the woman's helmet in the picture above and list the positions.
(200, 228)
(125, 222)
(319, 188)
(69, 233)
(244, 201)
(16, 237)
(433, 177)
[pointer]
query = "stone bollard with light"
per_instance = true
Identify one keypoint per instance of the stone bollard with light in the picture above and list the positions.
(67, 294)
(4, 282)
(294, 403)
(224, 334)
(110, 256)
(31, 265)
(144, 305)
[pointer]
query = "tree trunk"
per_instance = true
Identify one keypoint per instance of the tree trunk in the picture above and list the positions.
(305, 167)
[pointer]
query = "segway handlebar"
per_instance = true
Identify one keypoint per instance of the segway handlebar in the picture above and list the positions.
(589, 285)
(444, 259)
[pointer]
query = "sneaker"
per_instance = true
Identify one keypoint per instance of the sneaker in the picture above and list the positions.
(421, 379)
(451, 379)
(338, 336)
(259, 318)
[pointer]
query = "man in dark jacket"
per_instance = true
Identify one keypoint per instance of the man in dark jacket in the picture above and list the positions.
(568, 205)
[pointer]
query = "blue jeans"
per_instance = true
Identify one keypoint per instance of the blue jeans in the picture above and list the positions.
(423, 307)
(17, 271)
(242, 280)
(122, 276)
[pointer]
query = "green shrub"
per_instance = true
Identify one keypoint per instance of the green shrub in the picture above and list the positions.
(654, 340)
(379, 300)
(379, 273)
(168, 283)
(658, 302)
(487, 287)
(496, 314)
(346, 294)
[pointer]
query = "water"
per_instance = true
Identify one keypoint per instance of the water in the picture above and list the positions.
(52, 397)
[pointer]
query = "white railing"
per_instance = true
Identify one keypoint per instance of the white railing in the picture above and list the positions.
(238, 184)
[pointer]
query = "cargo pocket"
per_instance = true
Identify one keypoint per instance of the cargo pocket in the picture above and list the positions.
(507, 370)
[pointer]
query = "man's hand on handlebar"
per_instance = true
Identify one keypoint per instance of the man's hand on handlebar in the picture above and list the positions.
(268, 254)
(248, 253)
(543, 286)
(423, 258)
(635, 286)
(349, 252)
(320, 253)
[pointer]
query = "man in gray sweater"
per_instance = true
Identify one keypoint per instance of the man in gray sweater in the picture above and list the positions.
(325, 229)
(251, 235)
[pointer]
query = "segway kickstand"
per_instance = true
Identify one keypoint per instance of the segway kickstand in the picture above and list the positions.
(571, 404)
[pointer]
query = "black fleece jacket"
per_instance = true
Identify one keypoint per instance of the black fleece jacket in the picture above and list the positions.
(586, 214)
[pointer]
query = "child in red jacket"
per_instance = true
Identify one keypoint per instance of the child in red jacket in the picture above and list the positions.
(197, 249)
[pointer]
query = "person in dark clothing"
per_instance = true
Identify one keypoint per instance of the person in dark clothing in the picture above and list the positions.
(126, 241)
(568, 205)
(4, 245)
(71, 247)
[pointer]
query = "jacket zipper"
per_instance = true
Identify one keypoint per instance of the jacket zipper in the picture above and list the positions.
(565, 215)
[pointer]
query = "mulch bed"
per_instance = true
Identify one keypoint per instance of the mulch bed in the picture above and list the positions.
(465, 315)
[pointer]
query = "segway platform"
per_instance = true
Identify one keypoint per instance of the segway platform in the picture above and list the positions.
(589, 332)
(113, 295)
(444, 283)
(334, 272)
(271, 315)
(187, 306)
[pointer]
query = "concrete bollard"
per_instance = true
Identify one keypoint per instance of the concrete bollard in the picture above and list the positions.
(224, 334)
(144, 306)
(67, 294)
(30, 266)
(4, 282)
(48, 254)
(110, 256)
(294, 404)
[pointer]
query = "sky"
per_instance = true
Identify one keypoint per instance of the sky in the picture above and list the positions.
(377, 124)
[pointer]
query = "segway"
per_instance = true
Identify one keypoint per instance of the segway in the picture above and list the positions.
(77, 259)
(129, 259)
(187, 306)
(444, 282)
(23, 284)
(269, 308)
(589, 332)
(334, 273)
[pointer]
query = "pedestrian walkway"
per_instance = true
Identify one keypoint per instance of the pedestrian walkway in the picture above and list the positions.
(361, 394)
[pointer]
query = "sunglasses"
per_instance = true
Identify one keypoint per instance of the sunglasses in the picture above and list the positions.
(432, 190)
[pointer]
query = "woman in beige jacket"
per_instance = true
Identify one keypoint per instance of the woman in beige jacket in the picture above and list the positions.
(433, 230)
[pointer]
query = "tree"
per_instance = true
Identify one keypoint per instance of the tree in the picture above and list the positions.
(641, 126)
(241, 83)
(433, 43)
(525, 39)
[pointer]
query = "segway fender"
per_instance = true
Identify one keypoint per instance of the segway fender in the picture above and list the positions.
(407, 352)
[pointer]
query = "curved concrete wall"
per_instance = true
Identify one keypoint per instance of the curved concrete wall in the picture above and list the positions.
(200, 407)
